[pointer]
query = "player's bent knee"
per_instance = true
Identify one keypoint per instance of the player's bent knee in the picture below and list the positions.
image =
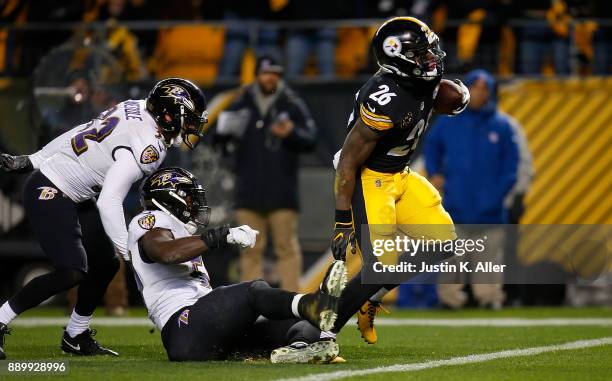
(255, 287)
(71, 276)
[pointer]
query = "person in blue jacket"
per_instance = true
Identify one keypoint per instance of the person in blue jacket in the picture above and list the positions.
(473, 159)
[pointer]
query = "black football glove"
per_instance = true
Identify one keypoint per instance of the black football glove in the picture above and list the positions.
(15, 164)
(216, 238)
(344, 234)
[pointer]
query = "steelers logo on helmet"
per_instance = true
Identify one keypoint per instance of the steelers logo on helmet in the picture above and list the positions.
(392, 46)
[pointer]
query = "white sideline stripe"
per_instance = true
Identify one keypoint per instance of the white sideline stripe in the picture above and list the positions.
(388, 322)
(329, 376)
(102, 322)
(492, 322)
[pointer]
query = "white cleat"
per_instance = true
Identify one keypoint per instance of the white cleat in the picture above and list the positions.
(335, 279)
(321, 352)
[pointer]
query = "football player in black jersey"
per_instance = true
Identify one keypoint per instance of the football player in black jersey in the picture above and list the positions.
(376, 192)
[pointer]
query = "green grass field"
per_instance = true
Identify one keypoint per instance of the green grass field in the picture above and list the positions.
(143, 358)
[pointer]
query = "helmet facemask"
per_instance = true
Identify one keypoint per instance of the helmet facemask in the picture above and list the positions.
(197, 211)
(179, 108)
(192, 124)
(429, 62)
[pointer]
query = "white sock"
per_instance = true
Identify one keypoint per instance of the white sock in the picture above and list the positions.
(77, 324)
(6, 313)
(294, 305)
(378, 297)
(327, 335)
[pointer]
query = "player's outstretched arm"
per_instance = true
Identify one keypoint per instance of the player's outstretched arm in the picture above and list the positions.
(357, 147)
(160, 245)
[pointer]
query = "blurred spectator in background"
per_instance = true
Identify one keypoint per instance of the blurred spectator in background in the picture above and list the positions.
(88, 100)
(320, 40)
(514, 202)
(191, 51)
(14, 12)
(473, 159)
(122, 43)
(270, 126)
(592, 37)
(478, 35)
(239, 36)
(31, 45)
(384, 9)
(546, 37)
(515, 208)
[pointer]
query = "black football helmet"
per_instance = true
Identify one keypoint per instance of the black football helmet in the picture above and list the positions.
(177, 192)
(407, 47)
(178, 106)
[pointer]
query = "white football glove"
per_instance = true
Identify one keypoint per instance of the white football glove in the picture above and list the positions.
(243, 236)
(465, 99)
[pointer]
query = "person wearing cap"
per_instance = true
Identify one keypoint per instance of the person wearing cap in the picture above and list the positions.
(268, 126)
(475, 159)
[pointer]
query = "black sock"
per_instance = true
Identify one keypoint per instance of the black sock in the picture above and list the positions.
(43, 287)
(272, 303)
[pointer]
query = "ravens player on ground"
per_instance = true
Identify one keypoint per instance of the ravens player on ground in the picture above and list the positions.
(101, 158)
(376, 192)
(199, 323)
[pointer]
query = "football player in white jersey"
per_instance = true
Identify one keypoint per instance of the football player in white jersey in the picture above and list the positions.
(101, 158)
(199, 323)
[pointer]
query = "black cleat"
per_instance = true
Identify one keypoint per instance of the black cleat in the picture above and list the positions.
(84, 344)
(4, 330)
(319, 309)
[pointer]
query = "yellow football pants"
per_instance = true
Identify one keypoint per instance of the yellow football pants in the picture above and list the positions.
(385, 204)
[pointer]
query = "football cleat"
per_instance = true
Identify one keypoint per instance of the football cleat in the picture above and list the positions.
(4, 330)
(335, 279)
(84, 344)
(319, 309)
(365, 320)
(337, 360)
(321, 352)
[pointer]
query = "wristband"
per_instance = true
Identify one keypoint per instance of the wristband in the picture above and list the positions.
(344, 216)
(216, 238)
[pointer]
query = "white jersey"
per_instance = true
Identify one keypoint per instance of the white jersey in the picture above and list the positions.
(77, 161)
(166, 288)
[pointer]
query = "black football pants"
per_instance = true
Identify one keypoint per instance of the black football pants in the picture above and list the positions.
(73, 238)
(226, 322)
